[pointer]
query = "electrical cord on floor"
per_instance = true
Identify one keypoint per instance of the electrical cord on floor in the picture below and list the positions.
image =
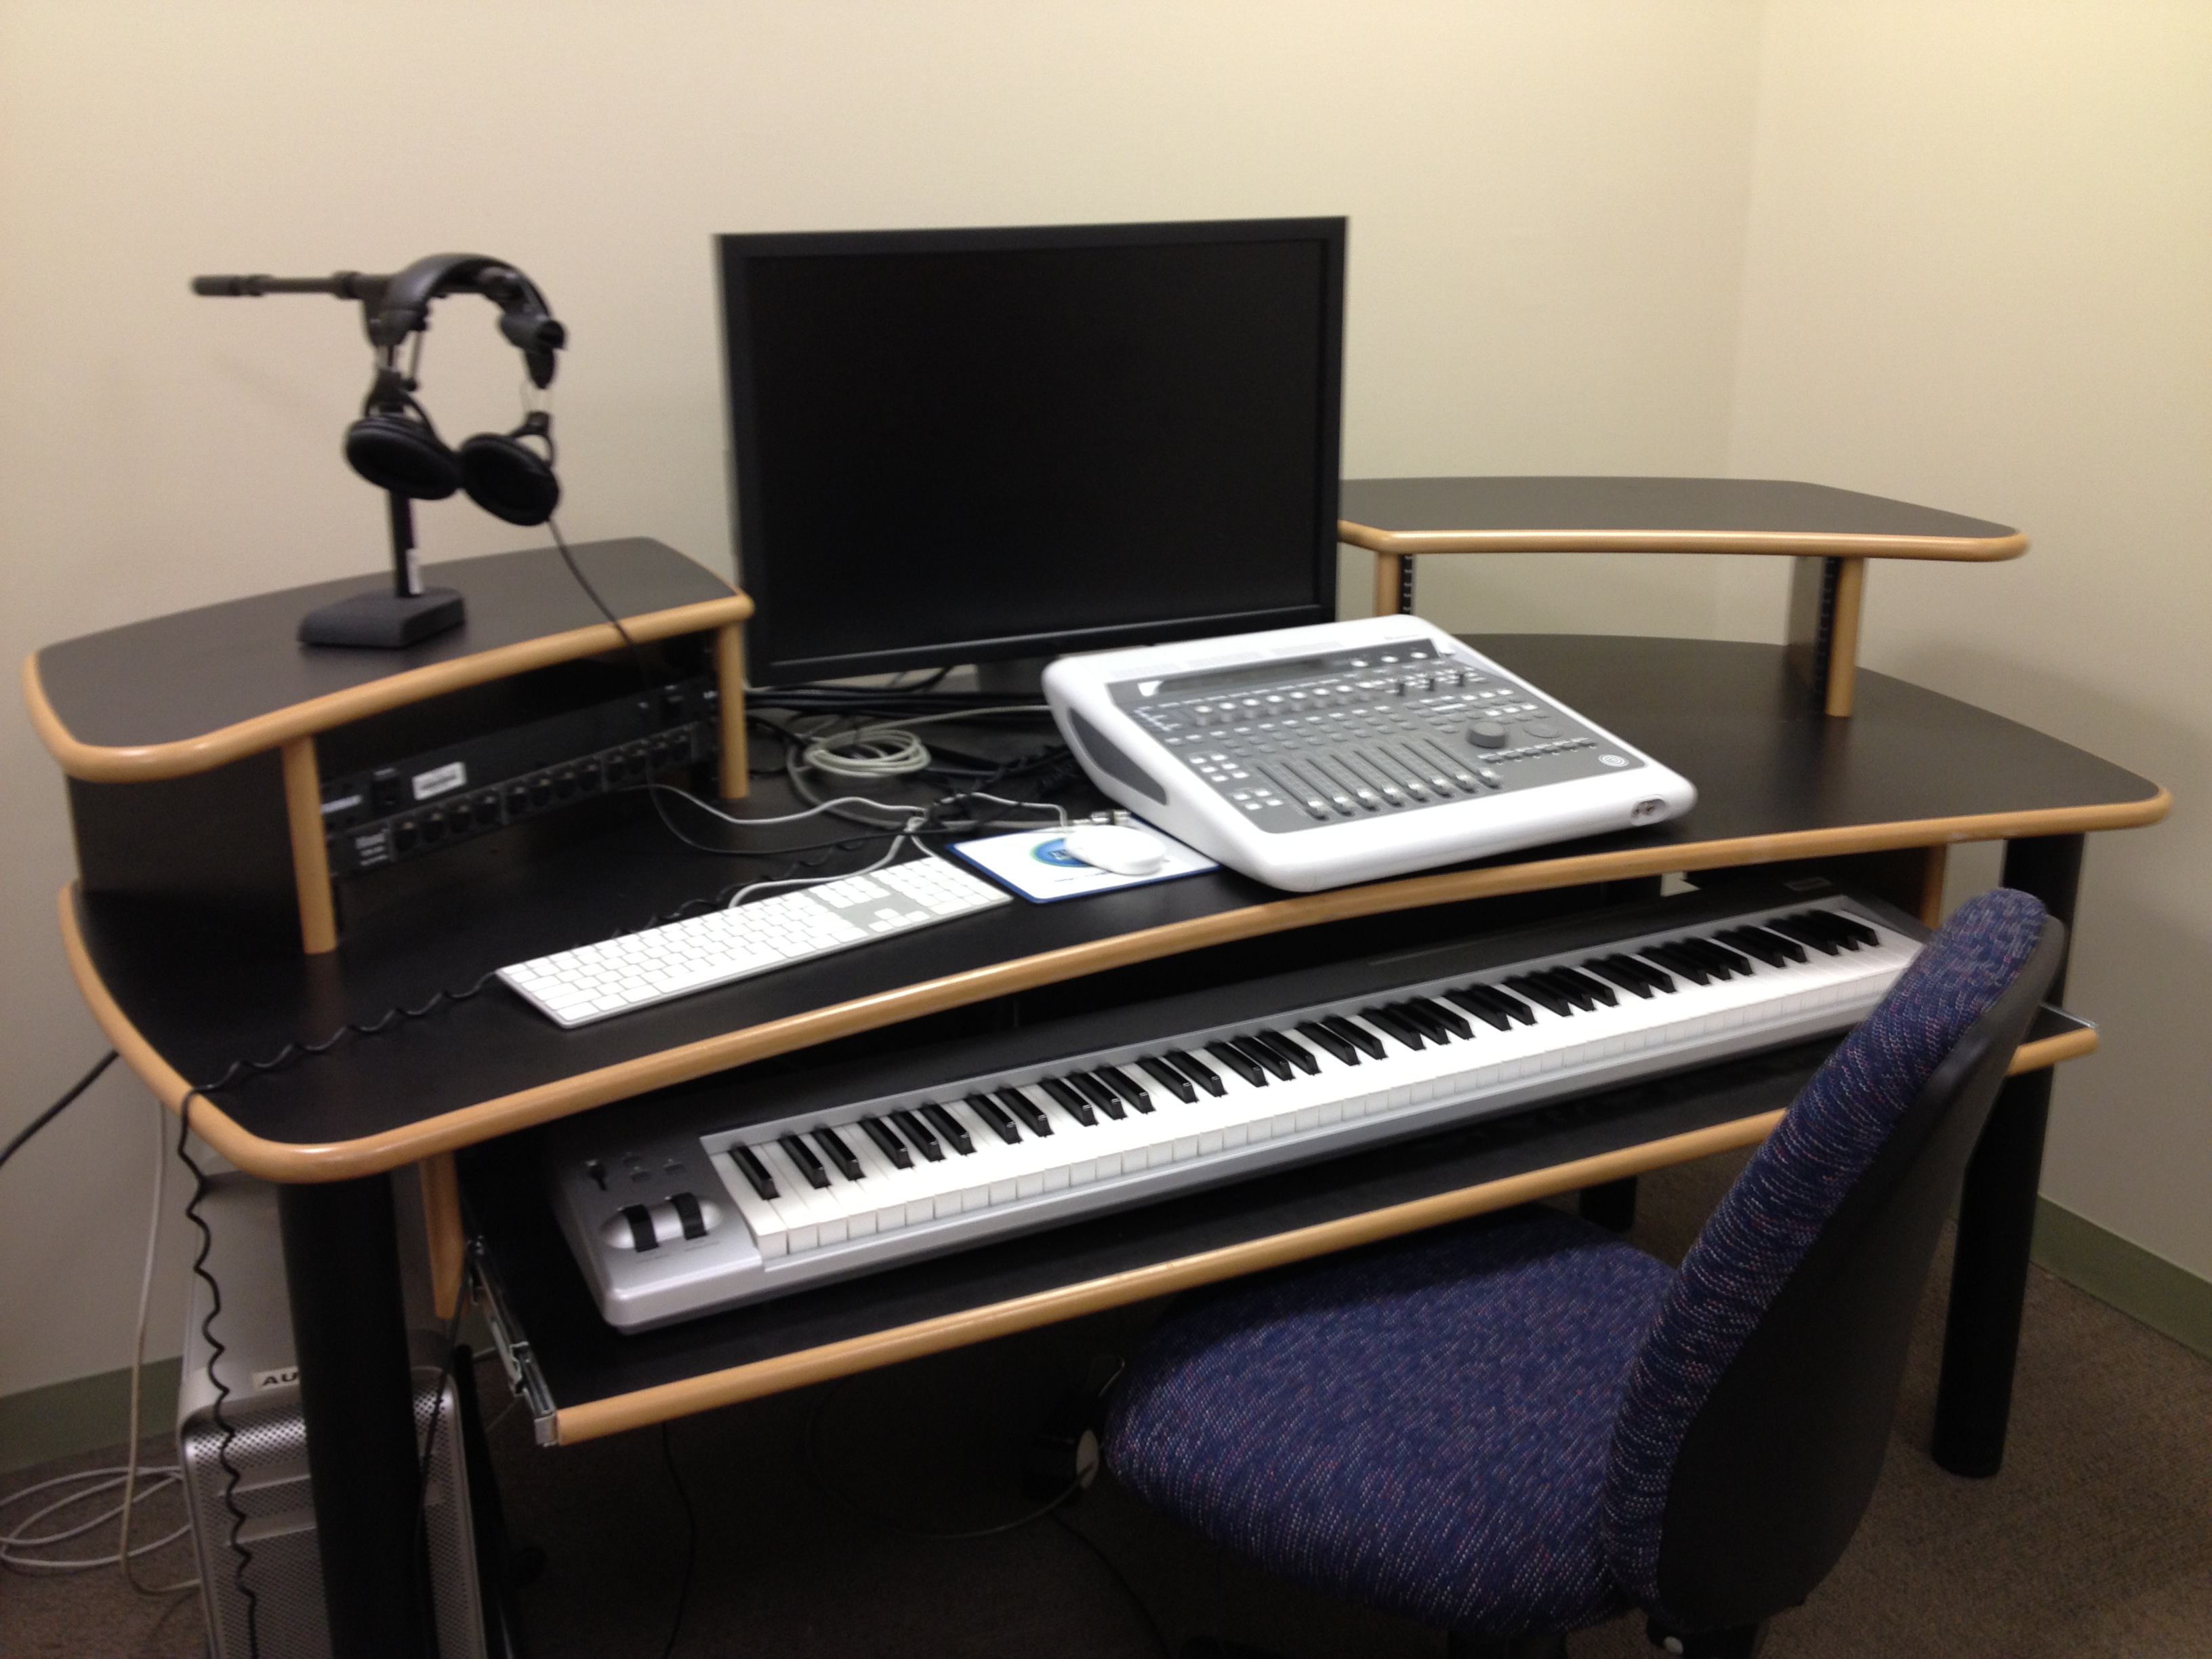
(227, 1431)
(124, 1553)
(690, 1541)
(810, 1443)
(55, 1110)
(1128, 1590)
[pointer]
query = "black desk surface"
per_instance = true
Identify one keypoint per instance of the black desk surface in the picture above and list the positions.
(178, 677)
(1664, 505)
(1776, 780)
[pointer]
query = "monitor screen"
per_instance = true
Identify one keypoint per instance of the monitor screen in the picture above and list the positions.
(969, 446)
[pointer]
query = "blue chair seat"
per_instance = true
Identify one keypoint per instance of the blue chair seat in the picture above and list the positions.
(1421, 1427)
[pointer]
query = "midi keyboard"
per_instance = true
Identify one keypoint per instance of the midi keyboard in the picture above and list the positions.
(723, 1194)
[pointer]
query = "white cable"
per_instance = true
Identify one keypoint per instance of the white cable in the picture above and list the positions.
(123, 1551)
(788, 817)
(19, 1539)
(897, 840)
(1064, 822)
(900, 750)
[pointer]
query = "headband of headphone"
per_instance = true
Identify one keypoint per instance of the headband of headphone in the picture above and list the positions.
(524, 317)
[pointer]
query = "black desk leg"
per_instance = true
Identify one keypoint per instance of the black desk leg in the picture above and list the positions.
(342, 1263)
(1996, 1215)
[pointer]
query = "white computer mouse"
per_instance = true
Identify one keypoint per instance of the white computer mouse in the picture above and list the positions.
(1111, 847)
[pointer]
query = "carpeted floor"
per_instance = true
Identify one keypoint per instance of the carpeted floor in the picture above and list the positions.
(2096, 1539)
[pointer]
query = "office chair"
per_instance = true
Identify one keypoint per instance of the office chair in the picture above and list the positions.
(1520, 1427)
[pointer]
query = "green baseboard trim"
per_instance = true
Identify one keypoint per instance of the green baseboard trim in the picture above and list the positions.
(85, 1414)
(2145, 1287)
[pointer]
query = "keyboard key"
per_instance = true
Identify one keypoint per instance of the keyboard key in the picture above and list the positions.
(755, 1171)
(840, 1154)
(1263, 1056)
(918, 1136)
(990, 1111)
(1198, 1072)
(943, 1122)
(891, 1146)
(1241, 1063)
(1099, 1095)
(1290, 1049)
(1070, 1101)
(1314, 1031)
(802, 1157)
(1356, 1035)
(1026, 1110)
(1128, 1087)
(1173, 1080)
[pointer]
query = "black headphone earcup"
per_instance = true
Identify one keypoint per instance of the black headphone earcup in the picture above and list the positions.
(508, 480)
(403, 456)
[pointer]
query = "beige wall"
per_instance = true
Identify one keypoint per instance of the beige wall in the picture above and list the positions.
(1585, 237)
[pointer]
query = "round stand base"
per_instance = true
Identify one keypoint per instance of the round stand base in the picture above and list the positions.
(384, 622)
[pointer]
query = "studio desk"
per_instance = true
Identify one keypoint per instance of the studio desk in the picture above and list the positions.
(189, 987)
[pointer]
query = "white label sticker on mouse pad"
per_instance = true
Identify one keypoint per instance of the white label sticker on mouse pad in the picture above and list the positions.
(1037, 864)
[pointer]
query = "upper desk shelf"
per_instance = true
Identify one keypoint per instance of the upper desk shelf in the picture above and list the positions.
(1830, 533)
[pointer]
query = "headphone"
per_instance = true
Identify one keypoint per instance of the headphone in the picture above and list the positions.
(394, 445)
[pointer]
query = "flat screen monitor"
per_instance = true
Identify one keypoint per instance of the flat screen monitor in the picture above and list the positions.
(969, 446)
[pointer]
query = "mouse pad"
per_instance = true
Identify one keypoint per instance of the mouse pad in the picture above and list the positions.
(1037, 864)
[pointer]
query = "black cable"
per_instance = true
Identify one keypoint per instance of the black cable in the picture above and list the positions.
(228, 1431)
(1159, 1637)
(58, 1107)
(690, 1541)
(418, 1555)
(809, 1441)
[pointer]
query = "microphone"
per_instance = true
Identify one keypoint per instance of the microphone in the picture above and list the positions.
(345, 284)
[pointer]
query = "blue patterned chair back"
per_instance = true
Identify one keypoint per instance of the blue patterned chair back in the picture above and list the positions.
(1756, 1412)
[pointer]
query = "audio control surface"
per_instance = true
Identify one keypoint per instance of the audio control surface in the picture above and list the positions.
(1313, 757)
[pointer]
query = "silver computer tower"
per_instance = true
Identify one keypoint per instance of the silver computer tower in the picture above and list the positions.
(268, 1448)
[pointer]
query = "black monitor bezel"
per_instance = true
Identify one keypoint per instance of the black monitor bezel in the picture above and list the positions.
(733, 252)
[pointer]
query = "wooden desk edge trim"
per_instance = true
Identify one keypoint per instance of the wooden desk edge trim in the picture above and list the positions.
(273, 1160)
(95, 763)
(672, 1399)
(1970, 549)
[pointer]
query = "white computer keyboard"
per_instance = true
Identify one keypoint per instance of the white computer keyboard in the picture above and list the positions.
(595, 981)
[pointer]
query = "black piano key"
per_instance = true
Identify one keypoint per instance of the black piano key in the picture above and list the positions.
(1596, 988)
(840, 1154)
(918, 1136)
(1799, 929)
(1611, 967)
(1239, 1063)
(949, 1127)
(803, 1156)
(1174, 1081)
(989, 1110)
(1413, 1011)
(1099, 1095)
(1453, 1021)
(1530, 988)
(1070, 1101)
(1681, 961)
(1650, 975)
(1568, 987)
(1847, 931)
(888, 1143)
(1290, 1049)
(1358, 1035)
(1396, 1025)
(755, 1171)
(1859, 930)
(1314, 1031)
(1263, 1056)
(1483, 1008)
(1026, 1110)
(1128, 1087)
(1769, 948)
(1721, 962)
(1198, 1072)
(1503, 1000)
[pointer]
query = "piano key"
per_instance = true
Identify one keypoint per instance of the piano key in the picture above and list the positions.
(1724, 964)
(992, 1113)
(1484, 1008)
(1536, 991)
(1621, 972)
(1263, 1056)
(1428, 1025)
(1681, 961)
(803, 1156)
(892, 1147)
(1125, 1086)
(1026, 1110)
(1290, 1049)
(918, 1136)
(1071, 1101)
(1454, 1022)
(1802, 930)
(1241, 1063)
(1314, 1031)
(946, 1126)
(1196, 1070)
(755, 1171)
(1569, 986)
(1496, 996)
(1380, 1018)
(839, 1153)
(1175, 1082)
(1099, 1095)
(1355, 1033)
(1595, 987)
(1772, 949)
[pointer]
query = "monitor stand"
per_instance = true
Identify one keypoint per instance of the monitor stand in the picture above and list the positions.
(1015, 677)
